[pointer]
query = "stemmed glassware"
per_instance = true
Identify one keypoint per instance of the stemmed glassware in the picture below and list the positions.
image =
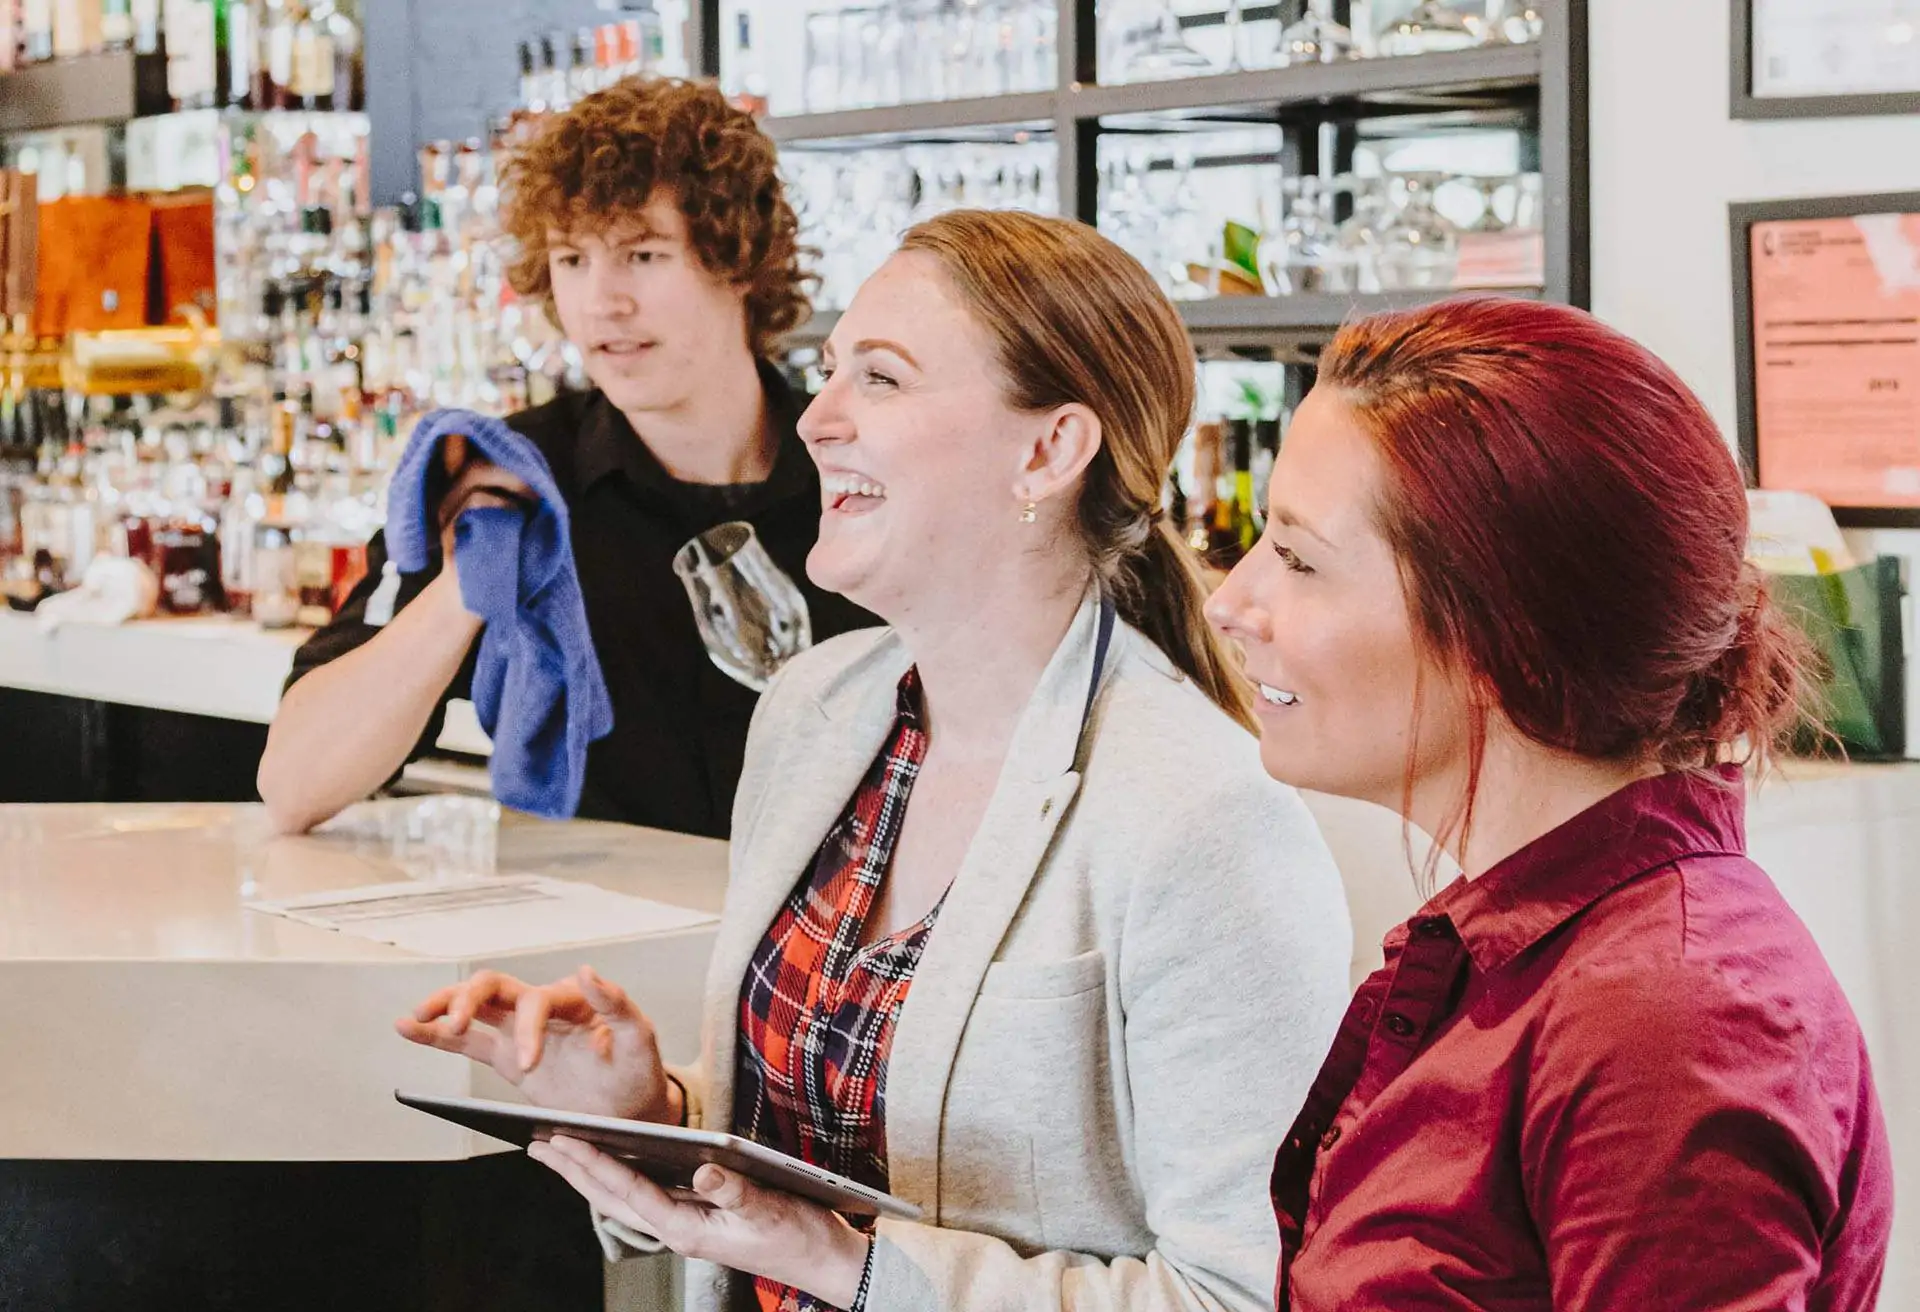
(1419, 248)
(1302, 256)
(854, 206)
(1490, 189)
(1315, 39)
(751, 616)
(1431, 27)
(1148, 45)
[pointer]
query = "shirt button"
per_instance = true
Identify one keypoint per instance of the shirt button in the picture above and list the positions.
(1398, 1026)
(1330, 1138)
(1431, 928)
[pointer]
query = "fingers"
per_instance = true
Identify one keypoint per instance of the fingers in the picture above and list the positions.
(616, 1190)
(484, 989)
(609, 1000)
(530, 1026)
(453, 454)
(723, 1189)
(437, 1003)
(478, 1044)
(479, 476)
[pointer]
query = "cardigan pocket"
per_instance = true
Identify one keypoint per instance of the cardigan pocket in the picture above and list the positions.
(1039, 1039)
(1039, 981)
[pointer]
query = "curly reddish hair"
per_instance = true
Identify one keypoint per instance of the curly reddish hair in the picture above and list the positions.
(593, 167)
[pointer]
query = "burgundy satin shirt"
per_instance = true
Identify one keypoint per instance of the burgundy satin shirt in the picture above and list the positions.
(1614, 1072)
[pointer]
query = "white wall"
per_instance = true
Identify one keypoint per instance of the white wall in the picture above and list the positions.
(1667, 159)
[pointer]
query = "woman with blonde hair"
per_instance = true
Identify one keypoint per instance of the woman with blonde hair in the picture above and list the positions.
(1017, 928)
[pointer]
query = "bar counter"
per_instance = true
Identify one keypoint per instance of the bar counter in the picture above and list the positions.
(155, 710)
(196, 1103)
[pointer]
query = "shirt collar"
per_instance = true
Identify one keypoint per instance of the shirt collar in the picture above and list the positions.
(608, 446)
(1648, 824)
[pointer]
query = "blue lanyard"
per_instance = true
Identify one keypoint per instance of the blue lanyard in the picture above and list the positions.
(1100, 647)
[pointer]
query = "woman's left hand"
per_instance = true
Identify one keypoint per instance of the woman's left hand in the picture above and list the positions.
(740, 1224)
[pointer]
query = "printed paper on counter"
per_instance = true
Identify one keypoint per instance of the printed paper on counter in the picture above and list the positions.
(483, 917)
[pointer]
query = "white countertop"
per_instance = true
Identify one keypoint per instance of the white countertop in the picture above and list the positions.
(152, 1016)
(215, 665)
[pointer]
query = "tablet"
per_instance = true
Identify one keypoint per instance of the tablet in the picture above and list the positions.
(666, 1154)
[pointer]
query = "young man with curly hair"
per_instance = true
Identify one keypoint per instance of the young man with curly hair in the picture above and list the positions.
(650, 221)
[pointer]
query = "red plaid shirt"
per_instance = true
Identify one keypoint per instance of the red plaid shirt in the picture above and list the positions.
(817, 1009)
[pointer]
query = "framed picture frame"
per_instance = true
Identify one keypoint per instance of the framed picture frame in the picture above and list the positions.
(1857, 68)
(1826, 306)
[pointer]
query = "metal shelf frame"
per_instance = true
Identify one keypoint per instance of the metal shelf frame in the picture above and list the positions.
(1545, 82)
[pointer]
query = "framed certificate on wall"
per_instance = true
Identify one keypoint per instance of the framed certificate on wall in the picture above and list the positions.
(1827, 334)
(1815, 58)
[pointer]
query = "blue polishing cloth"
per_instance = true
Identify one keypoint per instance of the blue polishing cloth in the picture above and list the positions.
(537, 684)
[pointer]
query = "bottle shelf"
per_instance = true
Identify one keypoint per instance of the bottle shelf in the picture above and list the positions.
(1496, 77)
(109, 87)
(1234, 321)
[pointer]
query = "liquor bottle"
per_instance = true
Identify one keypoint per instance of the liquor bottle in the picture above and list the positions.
(1246, 523)
(116, 25)
(76, 28)
(235, 32)
(273, 69)
(9, 58)
(37, 31)
(749, 77)
(313, 67)
(349, 65)
(1234, 529)
(146, 26)
(531, 86)
(606, 55)
(193, 62)
(580, 74)
(1266, 446)
(1198, 524)
(552, 74)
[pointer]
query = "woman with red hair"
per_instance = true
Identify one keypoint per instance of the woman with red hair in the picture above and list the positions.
(1503, 591)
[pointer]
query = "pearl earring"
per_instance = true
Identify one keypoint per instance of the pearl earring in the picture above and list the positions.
(1030, 513)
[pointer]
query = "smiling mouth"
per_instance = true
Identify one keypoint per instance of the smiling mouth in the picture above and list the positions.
(622, 350)
(852, 494)
(1278, 696)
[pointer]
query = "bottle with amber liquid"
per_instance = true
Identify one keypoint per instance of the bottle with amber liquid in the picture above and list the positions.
(313, 68)
(1197, 525)
(1235, 527)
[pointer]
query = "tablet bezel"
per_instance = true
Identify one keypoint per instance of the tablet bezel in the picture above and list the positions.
(520, 1124)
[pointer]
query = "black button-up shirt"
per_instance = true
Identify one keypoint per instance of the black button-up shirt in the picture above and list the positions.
(680, 724)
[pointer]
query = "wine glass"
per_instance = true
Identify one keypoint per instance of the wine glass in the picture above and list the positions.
(1420, 248)
(751, 617)
(1513, 22)
(1315, 39)
(1299, 258)
(1430, 28)
(1489, 189)
(1151, 46)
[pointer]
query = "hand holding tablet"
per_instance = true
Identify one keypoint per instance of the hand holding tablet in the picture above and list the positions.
(666, 1154)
